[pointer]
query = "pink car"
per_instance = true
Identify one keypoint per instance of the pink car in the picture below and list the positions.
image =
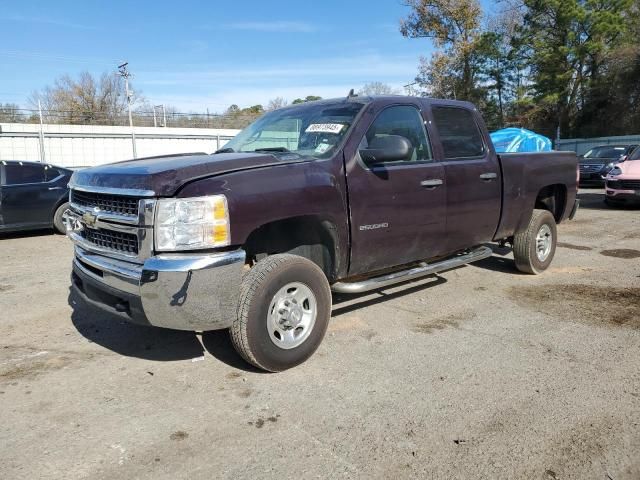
(623, 181)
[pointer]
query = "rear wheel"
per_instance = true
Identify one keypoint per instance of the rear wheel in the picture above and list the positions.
(534, 248)
(59, 218)
(284, 310)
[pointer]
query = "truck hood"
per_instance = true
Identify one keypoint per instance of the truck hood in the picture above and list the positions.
(163, 176)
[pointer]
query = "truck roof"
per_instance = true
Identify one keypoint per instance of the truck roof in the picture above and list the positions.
(366, 99)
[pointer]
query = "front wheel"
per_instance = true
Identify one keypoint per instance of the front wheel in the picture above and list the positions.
(59, 218)
(283, 313)
(534, 248)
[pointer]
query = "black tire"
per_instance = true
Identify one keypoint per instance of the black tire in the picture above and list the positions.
(525, 244)
(249, 332)
(58, 222)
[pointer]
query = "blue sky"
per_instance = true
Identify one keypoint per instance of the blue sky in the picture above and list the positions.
(199, 55)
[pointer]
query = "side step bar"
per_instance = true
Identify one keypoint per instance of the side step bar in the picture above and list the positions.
(422, 270)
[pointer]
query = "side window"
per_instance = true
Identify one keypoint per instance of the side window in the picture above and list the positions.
(16, 174)
(459, 133)
(284, 133)
(51, 173)
(405, 121)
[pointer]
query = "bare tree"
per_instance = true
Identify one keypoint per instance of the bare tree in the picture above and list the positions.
(377, 88)
(87, 100)
(10, 113)
(276, 103)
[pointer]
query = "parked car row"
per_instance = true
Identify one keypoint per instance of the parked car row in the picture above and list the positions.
(33, 196)
(596, 164)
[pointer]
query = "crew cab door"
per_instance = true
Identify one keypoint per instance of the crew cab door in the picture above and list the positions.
(473, 179)
(397, 208)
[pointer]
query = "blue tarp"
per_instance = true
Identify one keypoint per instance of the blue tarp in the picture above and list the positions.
(511, 140)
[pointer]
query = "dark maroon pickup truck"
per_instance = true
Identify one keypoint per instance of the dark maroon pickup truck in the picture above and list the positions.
(348, 195)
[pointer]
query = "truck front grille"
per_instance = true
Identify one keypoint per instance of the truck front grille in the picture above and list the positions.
(117, 204)
(593, 167)
(112, 240)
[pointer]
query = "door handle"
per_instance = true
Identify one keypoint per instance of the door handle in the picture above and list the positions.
(433, 183)
(489, 176)
(54, 188)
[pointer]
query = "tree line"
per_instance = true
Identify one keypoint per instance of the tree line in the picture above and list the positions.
(90, 100)
(572, 65)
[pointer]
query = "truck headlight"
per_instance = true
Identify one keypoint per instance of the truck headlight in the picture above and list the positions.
(192, 223)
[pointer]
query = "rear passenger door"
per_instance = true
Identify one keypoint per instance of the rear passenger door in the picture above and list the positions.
(397, 208)
(472, 176)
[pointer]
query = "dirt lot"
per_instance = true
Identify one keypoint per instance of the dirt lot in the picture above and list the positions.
(478, 373)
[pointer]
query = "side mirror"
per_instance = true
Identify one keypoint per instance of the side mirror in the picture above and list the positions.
(390, 148)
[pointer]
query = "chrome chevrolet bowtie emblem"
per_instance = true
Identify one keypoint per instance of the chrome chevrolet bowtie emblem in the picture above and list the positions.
(89, 219)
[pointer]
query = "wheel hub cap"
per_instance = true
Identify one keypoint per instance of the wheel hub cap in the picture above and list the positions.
(544, 242)
(292, 315)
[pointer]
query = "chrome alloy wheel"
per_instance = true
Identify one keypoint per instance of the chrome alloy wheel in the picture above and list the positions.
(291, 315)
(544, 242)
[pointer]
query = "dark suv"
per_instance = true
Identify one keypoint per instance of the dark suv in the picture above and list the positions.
(596, 164)
(33, 196)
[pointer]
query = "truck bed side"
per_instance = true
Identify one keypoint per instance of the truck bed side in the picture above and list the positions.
(535, 180)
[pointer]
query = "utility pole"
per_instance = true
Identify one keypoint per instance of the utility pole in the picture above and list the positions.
(164, 116)
(42, 155)
(124, 73)
(409, 90)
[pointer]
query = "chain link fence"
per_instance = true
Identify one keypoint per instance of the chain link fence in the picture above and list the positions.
(152, 118)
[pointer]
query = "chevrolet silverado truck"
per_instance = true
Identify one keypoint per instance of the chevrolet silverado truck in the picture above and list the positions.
(346, 195)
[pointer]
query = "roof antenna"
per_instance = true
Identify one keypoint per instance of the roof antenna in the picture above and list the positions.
(352, 94)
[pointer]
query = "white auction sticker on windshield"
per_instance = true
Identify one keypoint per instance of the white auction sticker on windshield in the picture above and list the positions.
(322, 148)
(325, 128)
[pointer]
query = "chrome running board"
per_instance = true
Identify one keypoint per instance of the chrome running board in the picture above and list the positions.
(422, 270)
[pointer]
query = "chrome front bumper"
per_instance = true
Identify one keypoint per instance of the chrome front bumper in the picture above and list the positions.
(178, 291)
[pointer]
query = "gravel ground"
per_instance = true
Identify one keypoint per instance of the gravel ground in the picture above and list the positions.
(480, 372)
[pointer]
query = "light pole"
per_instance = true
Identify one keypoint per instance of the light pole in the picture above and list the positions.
(409, 90)
(124, 73)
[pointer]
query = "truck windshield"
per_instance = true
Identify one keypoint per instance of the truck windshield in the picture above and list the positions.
(313, 130)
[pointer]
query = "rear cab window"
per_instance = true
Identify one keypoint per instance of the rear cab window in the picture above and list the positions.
(459, 133)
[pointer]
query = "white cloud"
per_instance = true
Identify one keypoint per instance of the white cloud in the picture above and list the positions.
(363, 68)
(197, 88)
(46, 21)
(278, 26)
